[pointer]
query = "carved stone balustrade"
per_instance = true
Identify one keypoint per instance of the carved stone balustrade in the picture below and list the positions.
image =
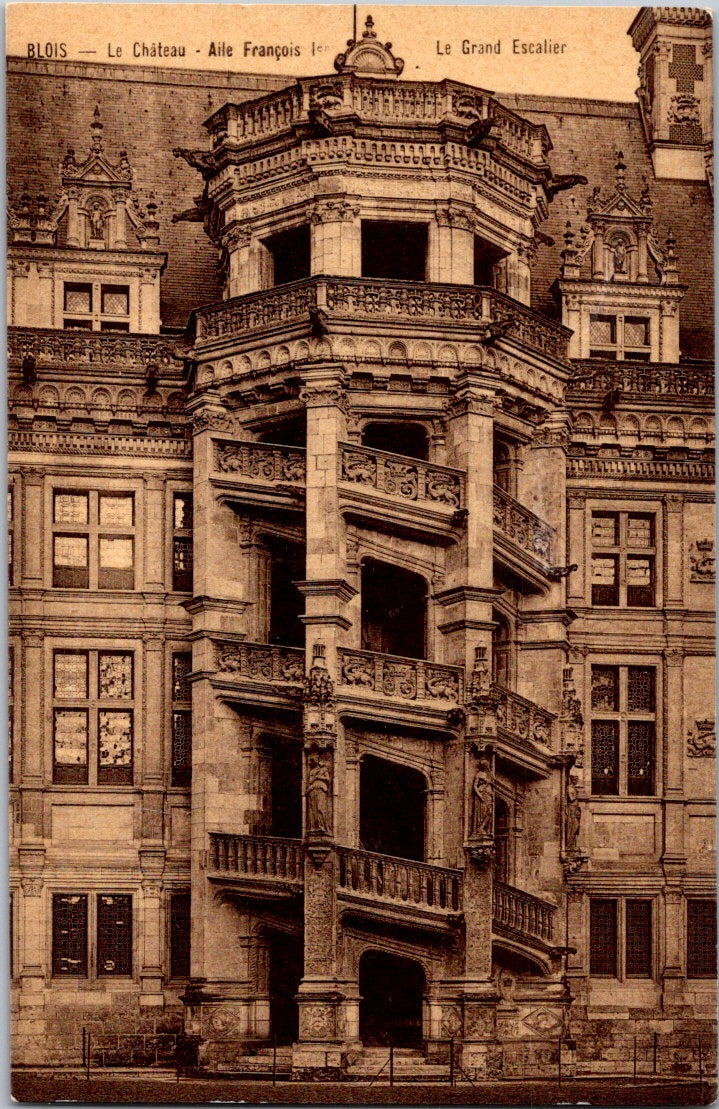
(520, 912)
(122, 354)
(261, 461)
(522, 718)
(642, 379)
(401, 679)
(256, 664)
(374, 100)
(256, 857)
(461, 310)
(523, 538)
(383, 878)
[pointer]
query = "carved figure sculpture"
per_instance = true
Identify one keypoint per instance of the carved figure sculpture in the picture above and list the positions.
(319, 782)
(572, 816)
(482, 801)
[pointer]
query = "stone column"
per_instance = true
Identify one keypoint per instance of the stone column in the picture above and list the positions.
(153, 578)
(119, 240)
(151, 995)
(451, 247)
(153, 747)
(32, 709)
(30, 1029)
(336, 237)
(576, 547)
(73, 219)
(674, 848)
(33, 515)
(674, 946)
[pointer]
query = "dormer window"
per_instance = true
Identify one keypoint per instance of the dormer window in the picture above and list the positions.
(95, 307)
(620, 338)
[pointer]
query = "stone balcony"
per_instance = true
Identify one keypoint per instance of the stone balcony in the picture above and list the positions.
(380, 686)
(524, 730)
(414, 496)
(263, 474)
(258, 672)
(123, 354)
(361, 317)
(522, 541)
(377, 886)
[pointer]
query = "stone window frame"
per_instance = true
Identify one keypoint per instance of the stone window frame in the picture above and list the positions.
(93, 704)
(91, 972)
(94, 532)
(96, 318)
(618, 349)
(623, 718)
(624, 507)
(620, 901)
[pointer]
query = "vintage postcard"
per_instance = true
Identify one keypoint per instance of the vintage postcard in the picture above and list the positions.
(361, 482)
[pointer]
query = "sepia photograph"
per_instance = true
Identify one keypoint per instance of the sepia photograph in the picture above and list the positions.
(361, 554)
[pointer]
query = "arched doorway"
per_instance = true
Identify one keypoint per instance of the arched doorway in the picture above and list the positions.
(392, 808)
(394, 610)
(391, 994)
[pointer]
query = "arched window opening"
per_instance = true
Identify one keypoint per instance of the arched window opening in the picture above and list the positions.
(287, 605)
(392, 808)
(394, 610)
(501, 651)
(392, 992)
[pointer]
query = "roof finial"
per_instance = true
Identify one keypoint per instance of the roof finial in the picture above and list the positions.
(368, 32)
(620, 169)
(96, 129)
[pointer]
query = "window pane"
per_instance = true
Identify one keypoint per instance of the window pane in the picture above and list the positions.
(70, 508)
(604, 530)
(115, 553)
(701, 938)
(71, 551)
(181, 748)
(181, 667)
(638, 952)
(605, 688)
(114, 751)
(602, 331)
(640, 758)
(603, 937)
(69, 934)
(640, 531)
(116, 511)
(640, 581)
(640, 689)
(115, 300)
(78, 298)
(605, 756)
(114, 934)
(636, 332)
(180, 935)
(70, 744)
(605, 580)
(183, 511)
(70, 674)
(9, 506)
(182, 564)
(115, 675)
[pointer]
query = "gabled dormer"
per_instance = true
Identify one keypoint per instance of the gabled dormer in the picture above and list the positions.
(619, 287)
(87, 261)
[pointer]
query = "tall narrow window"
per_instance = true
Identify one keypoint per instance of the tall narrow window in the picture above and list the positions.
(114, 934)
(181, 719)
(11, 711)
(623, 730)
(10, 535)
(620, 938)
(182, 543)
(93, 711)
(603, 938)
(180, 935)
(69, 935)
(638, 939)
(701, 938)
(93, 540)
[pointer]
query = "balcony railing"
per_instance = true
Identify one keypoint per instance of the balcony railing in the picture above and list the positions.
(408, 679)
(522, 912)
(383, 877)
(522, 717)
(130, 353)
(522, 527)
(691, 379)
(399, 476)
(414, 302)
(377, 100)
(256, 856)
(261, 461)
(260, 662)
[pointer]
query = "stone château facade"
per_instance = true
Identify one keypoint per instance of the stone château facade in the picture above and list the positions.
(361, 470)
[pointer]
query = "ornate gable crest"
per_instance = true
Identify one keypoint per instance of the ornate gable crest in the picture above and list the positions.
(617, 241)
(96, 199)
(368, 57)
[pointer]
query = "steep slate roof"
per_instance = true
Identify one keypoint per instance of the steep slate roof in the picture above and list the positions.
(149, 110)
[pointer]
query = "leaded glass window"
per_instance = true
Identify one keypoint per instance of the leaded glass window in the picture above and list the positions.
(69, 935)
(182, 543)
(638, 939)
(623, 564)
(603, 938)
(623, 730)
(93, 713)
(93, 544)
(181, 719)
(180, 935)
(701, 938)
(114, 934)
(605, 756)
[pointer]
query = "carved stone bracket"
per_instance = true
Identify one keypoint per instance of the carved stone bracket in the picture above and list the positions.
(482, 852)
(573, 863)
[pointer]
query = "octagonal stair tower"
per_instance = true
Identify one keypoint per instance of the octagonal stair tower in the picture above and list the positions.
(379, 589)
